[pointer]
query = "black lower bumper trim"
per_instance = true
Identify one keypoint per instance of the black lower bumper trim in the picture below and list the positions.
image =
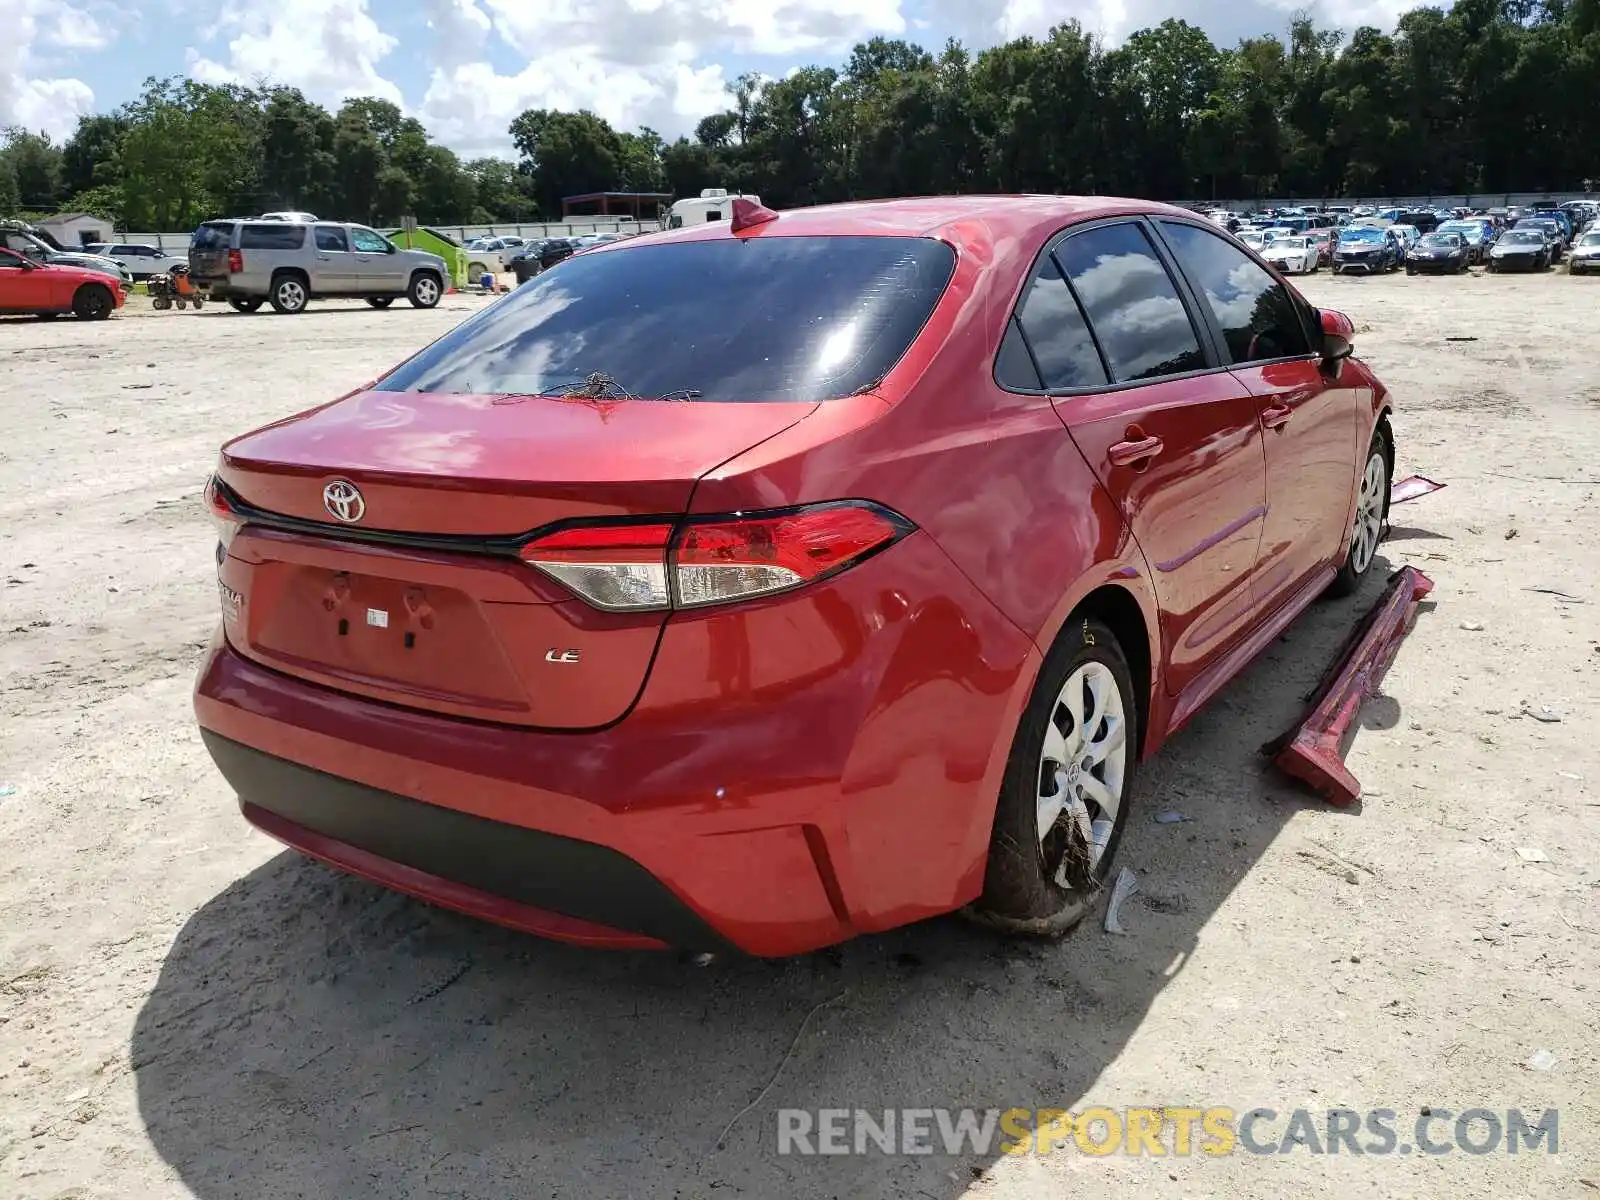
(560, 874)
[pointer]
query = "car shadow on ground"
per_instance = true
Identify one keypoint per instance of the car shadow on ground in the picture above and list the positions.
(311, 1035)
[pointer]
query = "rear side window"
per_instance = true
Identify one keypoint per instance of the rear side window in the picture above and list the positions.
(1131, 302)
(1057, 333)
(331, 237)
(216, 236)
(279, 235)
(1013, 367)
(769, 318)
(1258, 318)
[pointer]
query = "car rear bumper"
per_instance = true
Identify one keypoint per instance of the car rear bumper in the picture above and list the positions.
(504, 873)
(793, 773)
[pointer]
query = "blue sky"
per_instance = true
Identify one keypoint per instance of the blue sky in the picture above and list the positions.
(466, 67)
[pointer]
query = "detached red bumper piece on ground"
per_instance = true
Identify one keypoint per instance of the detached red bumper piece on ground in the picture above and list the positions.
(1315, 752)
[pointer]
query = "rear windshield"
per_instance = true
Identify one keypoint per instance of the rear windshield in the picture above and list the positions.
(215, 236)
(760, 319)
(278, 235)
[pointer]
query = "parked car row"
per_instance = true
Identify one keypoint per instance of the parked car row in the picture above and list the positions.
(21, 238)
(1521, 240)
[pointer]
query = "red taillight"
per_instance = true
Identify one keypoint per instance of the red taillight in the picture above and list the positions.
(712, 561)
(235, 262)
(616, 567)
(222, 511)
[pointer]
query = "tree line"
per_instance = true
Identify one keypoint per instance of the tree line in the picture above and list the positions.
(1491, 96)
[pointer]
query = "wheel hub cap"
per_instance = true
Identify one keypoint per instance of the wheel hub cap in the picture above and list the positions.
(1082, 772)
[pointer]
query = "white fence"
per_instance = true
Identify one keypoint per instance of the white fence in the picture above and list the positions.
(573, 227)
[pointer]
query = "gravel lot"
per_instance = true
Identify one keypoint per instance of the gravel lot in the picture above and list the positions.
(187, 1010)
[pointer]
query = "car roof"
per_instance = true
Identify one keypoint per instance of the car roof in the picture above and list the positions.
(932, 216)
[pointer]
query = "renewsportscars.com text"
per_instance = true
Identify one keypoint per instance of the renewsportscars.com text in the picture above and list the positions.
(1167, 1130)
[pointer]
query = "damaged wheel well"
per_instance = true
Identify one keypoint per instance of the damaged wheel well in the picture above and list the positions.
(1117, 608)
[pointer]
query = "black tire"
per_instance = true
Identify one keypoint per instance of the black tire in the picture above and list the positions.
(163, 304)
(245, 306)
(425, 290)
(289, 294)
(1351, 573)
(1021, 895)
(93, 302)
(1411, 270)
(199, 302)
(380, 301)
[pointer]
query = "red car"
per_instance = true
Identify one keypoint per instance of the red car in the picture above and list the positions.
(48, 291)
(1324, 243)
(766, 582)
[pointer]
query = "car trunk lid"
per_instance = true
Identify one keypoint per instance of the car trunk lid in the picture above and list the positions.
(421, 600)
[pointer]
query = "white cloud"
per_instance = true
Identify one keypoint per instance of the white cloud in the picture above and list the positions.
(460, 30)
(329, 49)
(634, 62)
(32, 92)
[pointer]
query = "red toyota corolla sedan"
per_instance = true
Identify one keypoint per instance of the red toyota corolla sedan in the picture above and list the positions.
(762, 583)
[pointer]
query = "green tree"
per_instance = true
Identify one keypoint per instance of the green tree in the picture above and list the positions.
(297, 151)
(35, 165)
(567, 154)
(90, 156)
(10, 196)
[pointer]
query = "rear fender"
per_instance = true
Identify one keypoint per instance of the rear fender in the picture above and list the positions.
(1129, 573)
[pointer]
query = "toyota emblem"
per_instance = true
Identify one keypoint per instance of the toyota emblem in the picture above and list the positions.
(343, 501)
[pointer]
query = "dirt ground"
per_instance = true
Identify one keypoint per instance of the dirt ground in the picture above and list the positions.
(188, 1010)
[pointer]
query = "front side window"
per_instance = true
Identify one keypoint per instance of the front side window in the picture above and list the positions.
(1132, 304)
(1257, 315)
(760, 319)
(367, 242)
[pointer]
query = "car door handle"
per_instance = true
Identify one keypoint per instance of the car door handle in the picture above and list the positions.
(1130, 453)
(1275, 416)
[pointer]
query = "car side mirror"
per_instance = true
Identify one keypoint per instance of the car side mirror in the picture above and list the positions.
(28, 265)
(1338, 337)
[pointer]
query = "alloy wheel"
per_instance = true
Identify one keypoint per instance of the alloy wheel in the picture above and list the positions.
(1369, 515)
(291, 295)
(1082, 774)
